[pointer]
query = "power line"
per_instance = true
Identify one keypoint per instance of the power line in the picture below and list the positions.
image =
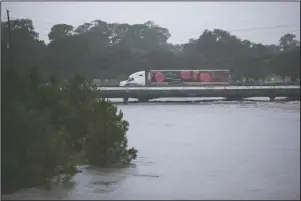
(263, 28)
(233, 30)
(294, 31)
(251, 29)
(198, 33)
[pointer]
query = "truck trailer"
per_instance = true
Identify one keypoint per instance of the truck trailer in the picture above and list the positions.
(178, 77)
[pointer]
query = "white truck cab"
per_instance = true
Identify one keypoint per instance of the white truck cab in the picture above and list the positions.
(135, 79)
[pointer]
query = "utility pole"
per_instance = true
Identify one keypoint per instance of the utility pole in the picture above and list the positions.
(9, 44)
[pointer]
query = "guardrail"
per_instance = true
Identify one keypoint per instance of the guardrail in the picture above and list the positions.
(233, 84)
(196, 88)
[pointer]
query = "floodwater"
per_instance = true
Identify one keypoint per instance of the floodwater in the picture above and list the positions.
(207, 150)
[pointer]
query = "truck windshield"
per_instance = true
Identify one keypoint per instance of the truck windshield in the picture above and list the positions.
(130, 79)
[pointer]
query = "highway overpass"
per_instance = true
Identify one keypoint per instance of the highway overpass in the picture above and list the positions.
(144, 94)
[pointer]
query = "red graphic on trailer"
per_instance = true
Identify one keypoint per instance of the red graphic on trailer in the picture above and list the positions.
(205, 77)
(160, 77)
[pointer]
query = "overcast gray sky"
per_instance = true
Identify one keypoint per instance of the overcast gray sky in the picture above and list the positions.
(184, 20)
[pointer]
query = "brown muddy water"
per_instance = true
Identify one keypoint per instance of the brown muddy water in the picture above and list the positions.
(207, 150)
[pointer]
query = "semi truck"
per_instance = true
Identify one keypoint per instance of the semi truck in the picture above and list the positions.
(178, 77)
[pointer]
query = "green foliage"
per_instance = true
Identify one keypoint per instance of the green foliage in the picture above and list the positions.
(49, 122)
(105, 51)
(46, 127)
(106, 142)
(60, 31)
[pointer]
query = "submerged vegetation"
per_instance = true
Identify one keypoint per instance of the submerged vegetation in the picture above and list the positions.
(47, 129)
(51, 122)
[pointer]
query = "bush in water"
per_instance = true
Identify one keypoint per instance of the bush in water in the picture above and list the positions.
(45, 127)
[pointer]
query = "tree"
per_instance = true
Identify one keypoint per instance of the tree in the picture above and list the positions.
(27, 49)
(60, 31)
(48, 126)
(107, 50)
(288, 42)
(106, 142)
(49, 119)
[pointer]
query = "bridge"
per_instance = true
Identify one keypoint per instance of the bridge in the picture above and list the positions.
(144, 94)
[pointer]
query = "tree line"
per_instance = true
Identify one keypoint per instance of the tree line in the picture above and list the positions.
(49, 128)
(52, 120)
(104, 50)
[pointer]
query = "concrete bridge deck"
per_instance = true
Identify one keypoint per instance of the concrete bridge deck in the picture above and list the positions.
(229, 92)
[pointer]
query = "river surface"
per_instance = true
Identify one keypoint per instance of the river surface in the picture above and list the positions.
(207, 150)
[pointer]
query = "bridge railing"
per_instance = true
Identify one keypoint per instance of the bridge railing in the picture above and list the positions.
(199, 88)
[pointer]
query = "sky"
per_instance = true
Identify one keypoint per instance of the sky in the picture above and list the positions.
(260, 22)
